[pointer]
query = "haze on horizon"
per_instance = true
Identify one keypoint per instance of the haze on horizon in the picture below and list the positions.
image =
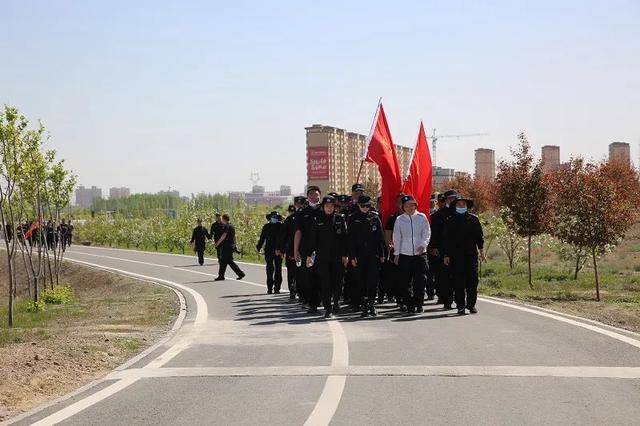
(195, 95)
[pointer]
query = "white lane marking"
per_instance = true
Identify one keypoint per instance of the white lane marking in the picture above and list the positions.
(334, 386)
(202, 314)
(385, 370)
(591, 327)
(329, 400)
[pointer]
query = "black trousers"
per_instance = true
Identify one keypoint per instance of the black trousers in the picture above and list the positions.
(291, 275)
(443, 281)
(432, 287)
(350, 286)
(414, 271)
(368, 279)
(274, 271)
(200, 256)
(308, 283)
(226, 259)
(330, 274)
(465, 282)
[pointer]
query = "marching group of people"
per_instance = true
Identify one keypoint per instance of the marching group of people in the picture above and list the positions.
(337, 252)
(48, 234)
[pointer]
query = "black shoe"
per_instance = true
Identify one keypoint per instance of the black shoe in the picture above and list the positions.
(241, 276)
(356, 309)
(473, 310)
(276, 291)
(403, 308)
(430, 298)
(373, 311)
(269, 291)
(419, 309)
(336, 308)
(447, 307)
(219, 279)
(365, 313)
(461, 311)
(411, 310)
(312, 310)
(327, 314)
(380, 300)
(292, 295)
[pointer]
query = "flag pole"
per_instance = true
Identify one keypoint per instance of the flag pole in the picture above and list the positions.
(368, 141)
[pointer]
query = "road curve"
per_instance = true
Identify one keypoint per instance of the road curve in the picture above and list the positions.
(245, 357)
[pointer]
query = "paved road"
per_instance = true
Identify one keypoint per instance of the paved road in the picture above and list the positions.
(244, 357)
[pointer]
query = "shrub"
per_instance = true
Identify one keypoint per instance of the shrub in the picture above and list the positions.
(33, 307)
(58, 295)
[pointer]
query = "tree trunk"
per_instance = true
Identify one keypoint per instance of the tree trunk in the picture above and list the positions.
(575, 275)
(529, 259)
(11, 291)
(595, 271)
(35, 289)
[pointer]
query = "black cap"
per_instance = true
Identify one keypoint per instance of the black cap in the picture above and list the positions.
(408, 198)
(450, 193)
(469, 201)
(441, 197)
(272, 214)
(343, 198)
(291, 208)
(313, 188)
(364, 200)
(300, 199)
(357, 187)
(333, 194)
(434, 197)
(328, 200)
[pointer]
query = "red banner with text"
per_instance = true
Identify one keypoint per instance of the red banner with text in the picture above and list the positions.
(318, 162)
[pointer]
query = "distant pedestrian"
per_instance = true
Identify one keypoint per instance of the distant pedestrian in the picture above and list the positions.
(411, 235)
(69, 233)
(269, 239)
(199, 238)
(462, 241)
(227, 245)
(217, 229)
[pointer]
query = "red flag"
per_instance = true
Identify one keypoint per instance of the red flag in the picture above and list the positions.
(382, 152)
(32, 228)
(419, 181)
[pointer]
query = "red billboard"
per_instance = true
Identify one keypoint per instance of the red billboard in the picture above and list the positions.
(318, 162)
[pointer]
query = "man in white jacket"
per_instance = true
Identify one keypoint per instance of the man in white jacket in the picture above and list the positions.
(411, 234)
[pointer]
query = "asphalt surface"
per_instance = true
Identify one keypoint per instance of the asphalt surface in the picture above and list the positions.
(244, 357)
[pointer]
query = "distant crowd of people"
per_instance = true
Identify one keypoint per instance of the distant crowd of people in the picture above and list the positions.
(47, 234)
(338, 253)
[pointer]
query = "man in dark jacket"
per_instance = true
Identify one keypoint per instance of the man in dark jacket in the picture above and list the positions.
(328, 241)
(217, 229)
(199, 238)
(286, 240)
(442, 274)
(462, 241)
(307, 278)
(367, 252)
(227, 245)
(269, 238)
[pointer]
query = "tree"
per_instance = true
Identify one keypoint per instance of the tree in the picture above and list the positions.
(482, 191)
(523, 191)
(595, 206)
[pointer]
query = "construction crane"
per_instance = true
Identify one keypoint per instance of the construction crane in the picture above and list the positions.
(434, 140)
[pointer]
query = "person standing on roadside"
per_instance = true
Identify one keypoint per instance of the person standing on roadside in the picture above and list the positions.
(269, 238)
(411, 235)
(463, 240)
(227, 245)
(199, 237)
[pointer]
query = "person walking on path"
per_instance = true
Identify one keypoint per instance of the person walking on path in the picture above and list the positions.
(199, 238)
(269, 239)
(227, 245)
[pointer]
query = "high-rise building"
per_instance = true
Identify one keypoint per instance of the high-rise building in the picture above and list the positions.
(285, 190)
(485, 164)
(550, 158)
(442, 176)
(86, 196)
(620, 152)
(117, 193)
(334, 159)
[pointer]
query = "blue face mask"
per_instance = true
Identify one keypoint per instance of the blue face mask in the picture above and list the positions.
(461, 210)
(274, 220)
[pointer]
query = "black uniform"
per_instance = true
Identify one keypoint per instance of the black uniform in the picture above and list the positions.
(390, 271)
(226, 252)
(287, 234)
(329, 241)
(461, 240)
(307, 278)
(69, 234)
(217, 229)
(367, 246)
(199, 236)
(269, 238)
(63, 230)
(442, 278)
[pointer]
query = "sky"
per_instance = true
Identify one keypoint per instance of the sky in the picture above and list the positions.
(197, 95)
